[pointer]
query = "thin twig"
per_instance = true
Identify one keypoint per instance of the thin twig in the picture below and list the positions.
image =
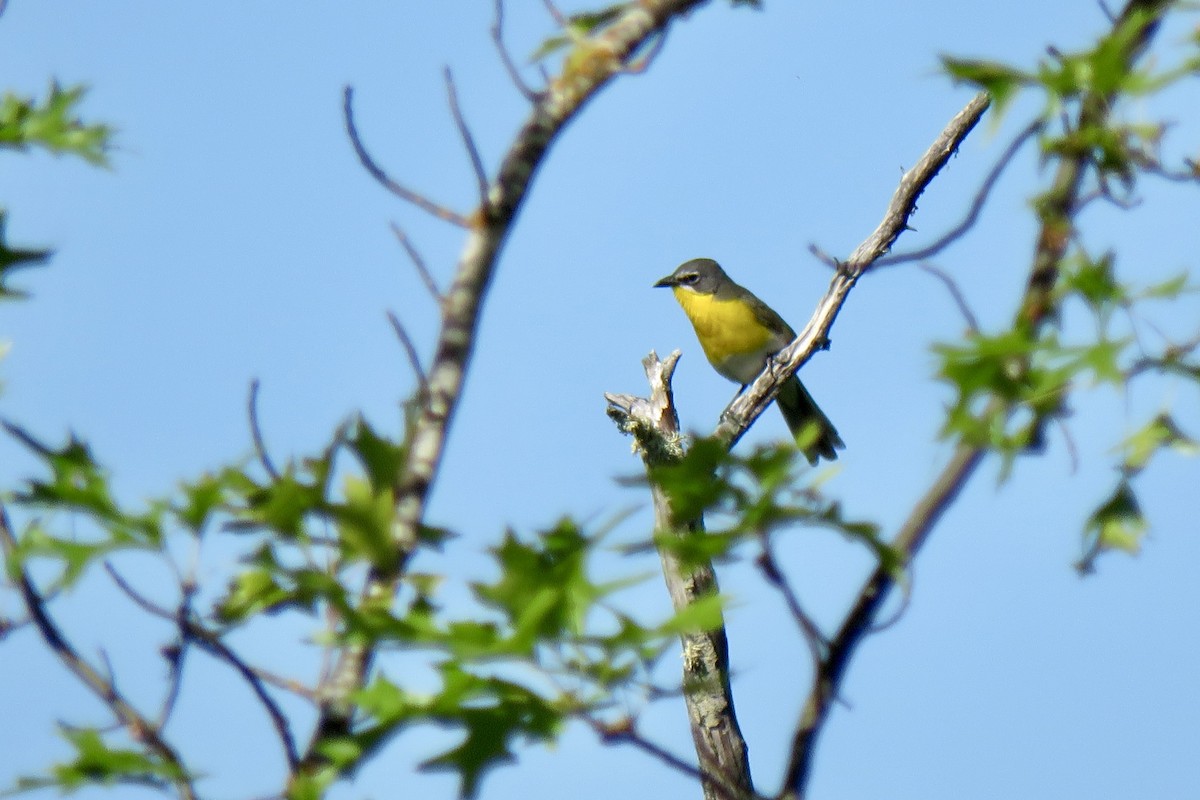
(506, 59)
(955, 292)
(769, 565)
(1072, 450)
(174, 654)
(824, 257)
(376, 172)
(410, 350)
(625, 733)
(975, 208)
(140, 728)
(639, 64)
(468, 140)
(260, 447)
(560, 19)
(906, 590)
(7, 626)
(210, 642)
(419, 262)
(177, 652)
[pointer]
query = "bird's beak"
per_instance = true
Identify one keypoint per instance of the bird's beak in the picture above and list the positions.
(665, 282)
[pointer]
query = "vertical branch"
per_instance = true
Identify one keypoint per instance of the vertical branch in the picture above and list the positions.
(1057, 206)
(720, 747)
(488, 230)
(719, 743)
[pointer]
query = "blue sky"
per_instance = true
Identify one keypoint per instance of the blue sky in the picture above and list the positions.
(236, 237)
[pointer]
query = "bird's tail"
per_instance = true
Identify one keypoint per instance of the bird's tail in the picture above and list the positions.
(801, 413)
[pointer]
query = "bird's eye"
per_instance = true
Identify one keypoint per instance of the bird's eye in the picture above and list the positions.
(689, 279)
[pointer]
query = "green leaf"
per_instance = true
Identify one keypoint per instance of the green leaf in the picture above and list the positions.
(53, 125)
(1103, 360)
(703, 614)
(382, 458)
(75, 556)
(208, 495)
(364, 524)
(543, 589)
(282, 504)
(1168, 289)
(96, 763)
(1158, 434)
(1095, 282)
(267, 586)
(1117, 524)
(492, 713)
(78, 484)
(999, 80)
(549, 45)
(253, 591)
(13, 258)
(693, 484)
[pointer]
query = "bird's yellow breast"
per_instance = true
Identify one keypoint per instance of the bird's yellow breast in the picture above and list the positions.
(728, 330)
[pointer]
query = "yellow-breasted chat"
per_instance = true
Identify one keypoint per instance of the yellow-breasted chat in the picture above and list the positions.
(739, 333)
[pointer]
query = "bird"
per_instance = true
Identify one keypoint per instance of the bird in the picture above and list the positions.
(739, 334)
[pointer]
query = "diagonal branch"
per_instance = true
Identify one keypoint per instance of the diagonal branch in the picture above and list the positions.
(1038, 307)
(719, 743)
(419, 263)
(610, 48)
(190, 631)
(506, 58)
(748, 405)
(141, 728)
(652, 421)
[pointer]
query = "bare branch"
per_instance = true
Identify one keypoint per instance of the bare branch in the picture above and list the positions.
(824, 257)
(419, 263)
(376, 172)
(1038, 306)
(720, 746)
(1072, 450)
(754, 399)
(770, 567)
(906, 590)
(468, 139)
(176, 652)
(506, 59)
(260, 447)
(642, 62)
(626, 733)
(628, 32)
(560, 19)
(410, 350)
(174, 655)
(955, 292)
(191, 632)
(955, 233)
(858, 622)
(140, 728)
